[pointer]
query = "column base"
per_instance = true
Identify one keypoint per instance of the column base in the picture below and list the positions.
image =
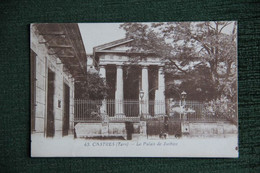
(120, 115)
(105, 117)
(145, 116)
(160, 115)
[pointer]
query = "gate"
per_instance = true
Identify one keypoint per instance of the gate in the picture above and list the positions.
(164, 125)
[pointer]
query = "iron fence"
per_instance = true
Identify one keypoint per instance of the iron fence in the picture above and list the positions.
(201, 111)
(87, 110)
(91, 110)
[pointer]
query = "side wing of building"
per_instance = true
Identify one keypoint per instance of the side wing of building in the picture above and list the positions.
(58, 61)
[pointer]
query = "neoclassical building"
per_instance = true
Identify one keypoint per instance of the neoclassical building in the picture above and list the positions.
(137, 82)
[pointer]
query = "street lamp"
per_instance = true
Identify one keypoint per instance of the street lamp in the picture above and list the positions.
(141, 96)
(183, 96)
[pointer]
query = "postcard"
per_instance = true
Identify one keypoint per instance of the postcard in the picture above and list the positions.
(157, 89)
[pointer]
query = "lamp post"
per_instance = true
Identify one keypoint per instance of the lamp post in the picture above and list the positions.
(141, 96)
(183, 97)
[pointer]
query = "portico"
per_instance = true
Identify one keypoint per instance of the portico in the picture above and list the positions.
(115, 57)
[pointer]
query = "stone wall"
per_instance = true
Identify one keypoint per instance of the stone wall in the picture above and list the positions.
(154, 129)
(109, 129)
(208, 129)
(43, 62)
(97, 130)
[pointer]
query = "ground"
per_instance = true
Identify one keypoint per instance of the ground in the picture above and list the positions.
(217, 146)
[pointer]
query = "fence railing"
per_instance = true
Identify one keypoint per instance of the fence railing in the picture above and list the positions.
(199, 111)
(131, 110)
(87, 110)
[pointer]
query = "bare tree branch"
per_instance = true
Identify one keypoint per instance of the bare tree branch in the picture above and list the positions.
(226, 24)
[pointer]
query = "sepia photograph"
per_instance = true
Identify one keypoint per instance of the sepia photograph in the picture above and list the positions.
(148, 89)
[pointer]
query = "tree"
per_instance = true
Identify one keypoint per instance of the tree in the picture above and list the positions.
(201, 54)
(93, 88)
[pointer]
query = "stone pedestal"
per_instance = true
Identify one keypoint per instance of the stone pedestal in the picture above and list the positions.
(104, 129)
(185, 128)
(143, 131)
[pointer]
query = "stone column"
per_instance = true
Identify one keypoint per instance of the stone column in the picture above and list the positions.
(103, 108)
(102, 71)
(145, 88)
(159, 106)
(119, 95)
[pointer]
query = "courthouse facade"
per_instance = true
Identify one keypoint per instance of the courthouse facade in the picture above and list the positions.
(130, 78)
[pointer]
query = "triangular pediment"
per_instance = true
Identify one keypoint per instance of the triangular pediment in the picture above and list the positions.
(121, 45)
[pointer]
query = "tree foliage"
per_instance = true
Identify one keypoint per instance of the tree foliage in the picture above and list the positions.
(93, 88)
(201, 54)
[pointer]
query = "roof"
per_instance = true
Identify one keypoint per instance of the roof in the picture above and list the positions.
(64, 41)
(112, 44)
(114, 48)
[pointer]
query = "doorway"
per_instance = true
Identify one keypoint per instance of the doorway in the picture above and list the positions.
(66, 110)
(33, 89)
(50, 104)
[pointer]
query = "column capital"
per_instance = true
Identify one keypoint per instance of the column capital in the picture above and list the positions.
(102, 66)
(144, 66)
(161, 67)
(120, 66)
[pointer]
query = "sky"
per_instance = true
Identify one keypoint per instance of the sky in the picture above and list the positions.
(95, 34)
